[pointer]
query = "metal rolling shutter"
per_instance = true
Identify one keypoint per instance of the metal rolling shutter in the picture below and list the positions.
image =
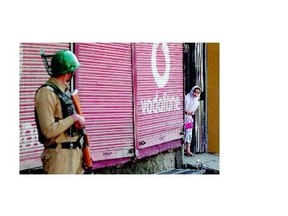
(159, 106)
(104, 81)
(32, 75)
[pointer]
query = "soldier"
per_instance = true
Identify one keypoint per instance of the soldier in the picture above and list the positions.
(57, 122)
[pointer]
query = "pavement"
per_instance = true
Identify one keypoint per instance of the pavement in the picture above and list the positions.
(207, 161)
(201, 163)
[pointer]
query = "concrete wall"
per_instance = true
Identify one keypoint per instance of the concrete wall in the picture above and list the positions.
(170, 159)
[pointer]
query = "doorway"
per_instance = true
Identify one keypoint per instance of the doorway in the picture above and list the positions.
(194, 62)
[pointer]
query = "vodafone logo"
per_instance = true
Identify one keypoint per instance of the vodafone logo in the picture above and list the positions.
(162, 102)
(161, 81)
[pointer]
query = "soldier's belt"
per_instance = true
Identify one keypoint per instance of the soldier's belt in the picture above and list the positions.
(66, 145)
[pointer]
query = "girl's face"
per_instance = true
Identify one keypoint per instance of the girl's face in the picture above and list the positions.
(196, 92)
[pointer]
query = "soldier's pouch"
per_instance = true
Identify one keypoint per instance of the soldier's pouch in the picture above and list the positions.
(81, 141)
(46, 157)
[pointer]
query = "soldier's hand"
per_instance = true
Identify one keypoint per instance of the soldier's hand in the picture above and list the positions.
(79, 120)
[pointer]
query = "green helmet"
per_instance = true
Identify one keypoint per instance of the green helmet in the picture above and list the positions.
(64, 61)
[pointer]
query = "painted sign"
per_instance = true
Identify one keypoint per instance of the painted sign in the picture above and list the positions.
(161, 102)
(159, 92)
(161, 81)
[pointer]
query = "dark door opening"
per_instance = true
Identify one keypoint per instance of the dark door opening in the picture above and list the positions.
(194, 62)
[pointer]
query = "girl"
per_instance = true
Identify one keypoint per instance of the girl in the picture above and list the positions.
(191, 105)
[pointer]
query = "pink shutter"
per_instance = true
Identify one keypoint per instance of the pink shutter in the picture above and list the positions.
(104, 81)
(159, 71)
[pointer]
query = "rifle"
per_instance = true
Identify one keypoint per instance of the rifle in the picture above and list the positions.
(87, 159)
(45, 61)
